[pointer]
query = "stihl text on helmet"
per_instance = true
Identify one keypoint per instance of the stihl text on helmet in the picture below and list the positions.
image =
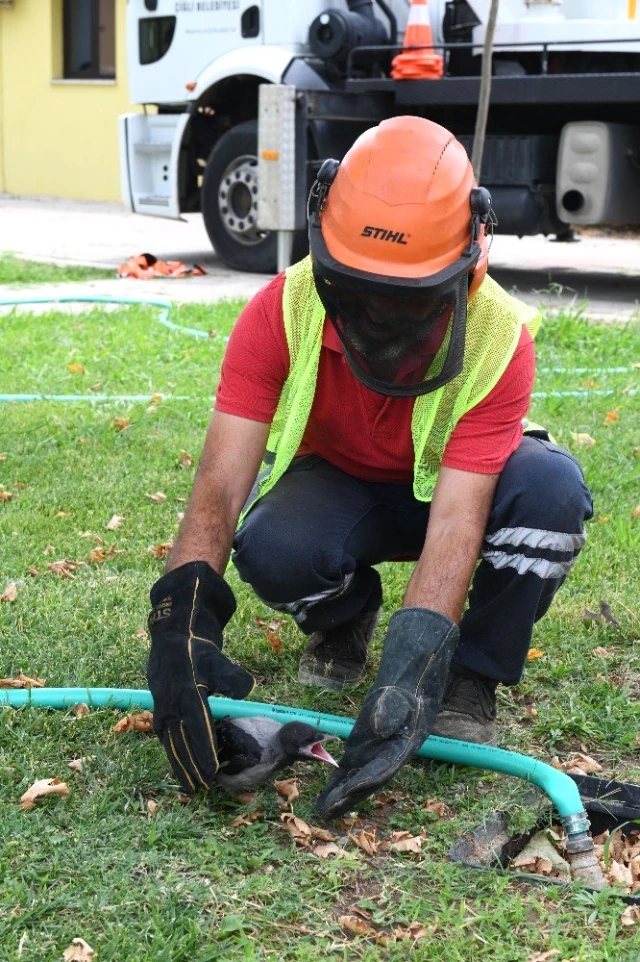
(381, 233)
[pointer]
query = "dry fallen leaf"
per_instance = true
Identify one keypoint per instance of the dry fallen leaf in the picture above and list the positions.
(322, 834)
(115, 522)
(76, 368)
(247, 798)
(64, 568)
(405, 842)
(580, 764)
(141, 722)
(544, 956)
(5, 495)
(584, 439)
(288, 788)
(10, 593)
(44, 786)
(271, 630)
(32, 571)
(185, 460)
(301, 832)
(388, 798)
(21, 681)
(152, 807)
(120, 424)
(636, 511)
(141, 633)
(366, 841)
(601, 652)
(274, 641)
(101, 554)
(353, 924)
(159, 497)
(325, 849)
(611, 417)
(245, 819)
(79, 951)
(78, 763)
(415, 931)
(359, 927)
(631, 915)
(162, 550)
(434, 807)
(535, 653)
(620, 874)
(274, 625)
(81, 710)
(355, 909)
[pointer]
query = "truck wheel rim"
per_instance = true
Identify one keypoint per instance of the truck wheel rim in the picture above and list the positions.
(238, 200)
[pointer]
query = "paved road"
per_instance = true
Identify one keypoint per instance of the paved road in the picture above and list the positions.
(603, 270)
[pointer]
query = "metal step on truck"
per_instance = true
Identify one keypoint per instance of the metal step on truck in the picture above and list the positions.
(243, 100)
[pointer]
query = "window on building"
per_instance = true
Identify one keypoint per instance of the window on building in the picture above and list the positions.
(89, 39)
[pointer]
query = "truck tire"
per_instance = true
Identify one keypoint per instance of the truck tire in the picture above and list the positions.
(229, 200)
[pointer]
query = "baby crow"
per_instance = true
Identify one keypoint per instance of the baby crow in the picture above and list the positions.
(251, 750)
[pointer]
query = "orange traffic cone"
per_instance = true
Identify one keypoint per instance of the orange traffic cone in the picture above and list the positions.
(423, 64)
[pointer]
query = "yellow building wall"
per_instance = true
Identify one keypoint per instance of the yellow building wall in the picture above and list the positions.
(58, 138)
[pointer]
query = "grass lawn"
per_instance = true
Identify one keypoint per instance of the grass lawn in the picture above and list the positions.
(184, 883)
(14, 270)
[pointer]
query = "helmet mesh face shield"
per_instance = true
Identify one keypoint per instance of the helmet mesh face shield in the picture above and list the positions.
(397, 295)
(404, 338)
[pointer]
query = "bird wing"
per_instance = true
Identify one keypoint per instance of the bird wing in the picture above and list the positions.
(238, 748)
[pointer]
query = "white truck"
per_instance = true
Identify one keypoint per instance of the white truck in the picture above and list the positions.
(563, 136)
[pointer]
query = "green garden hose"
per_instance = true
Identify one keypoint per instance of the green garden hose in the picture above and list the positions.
(561, 789)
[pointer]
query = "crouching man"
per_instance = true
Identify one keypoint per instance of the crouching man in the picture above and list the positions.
(370, 408)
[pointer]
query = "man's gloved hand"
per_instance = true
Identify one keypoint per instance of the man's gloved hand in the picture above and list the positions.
(398, 712)
(190, 607)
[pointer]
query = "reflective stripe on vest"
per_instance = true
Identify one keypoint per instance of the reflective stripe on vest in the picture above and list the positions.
(494, 325)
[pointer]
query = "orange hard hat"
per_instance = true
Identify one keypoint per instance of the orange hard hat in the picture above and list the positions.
(400, 218)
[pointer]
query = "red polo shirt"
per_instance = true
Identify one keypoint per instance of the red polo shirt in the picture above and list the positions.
(361, 432)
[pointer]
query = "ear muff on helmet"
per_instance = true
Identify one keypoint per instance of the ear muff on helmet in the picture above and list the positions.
(397, 235)
(320, 188)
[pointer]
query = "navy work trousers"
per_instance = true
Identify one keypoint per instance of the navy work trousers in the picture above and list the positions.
(309, 545)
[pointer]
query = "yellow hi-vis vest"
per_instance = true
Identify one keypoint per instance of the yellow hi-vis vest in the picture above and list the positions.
(494, 325)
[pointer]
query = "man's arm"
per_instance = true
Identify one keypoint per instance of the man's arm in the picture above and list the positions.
(228, 467)
(457, 522)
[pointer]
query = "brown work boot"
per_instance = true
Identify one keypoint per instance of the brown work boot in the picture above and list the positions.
(337, 658)
(468, 709)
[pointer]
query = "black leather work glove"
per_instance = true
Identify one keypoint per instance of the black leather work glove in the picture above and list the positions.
(398, 712)
(190, 607)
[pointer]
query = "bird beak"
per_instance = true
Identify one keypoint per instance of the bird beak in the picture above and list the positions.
(318, 751)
